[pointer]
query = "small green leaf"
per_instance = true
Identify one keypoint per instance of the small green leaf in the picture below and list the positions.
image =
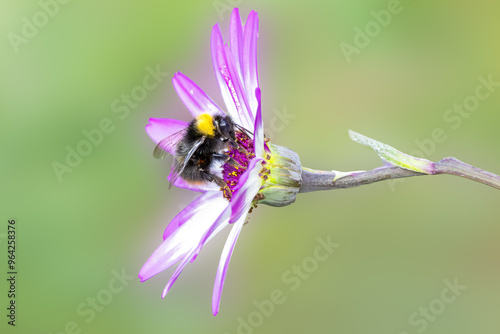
(393, 156)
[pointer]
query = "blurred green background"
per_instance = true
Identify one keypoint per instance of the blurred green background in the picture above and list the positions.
(399, 241)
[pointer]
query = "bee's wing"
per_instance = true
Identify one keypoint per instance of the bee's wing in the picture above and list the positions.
(168, 144)
(189, 155)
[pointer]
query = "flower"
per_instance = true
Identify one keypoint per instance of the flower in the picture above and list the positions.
(270, 174)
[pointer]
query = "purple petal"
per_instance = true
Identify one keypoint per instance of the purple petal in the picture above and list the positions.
(235, 85)
(216, 227)
(240, 204)
(221, 222)
(258, 138)
(160, 128)
(224, 263)
(215, 42)
(187, 258)
(229, 81)
(193, 97)
(249, 63)
(236, 39)
(188, 212)
(185, 234)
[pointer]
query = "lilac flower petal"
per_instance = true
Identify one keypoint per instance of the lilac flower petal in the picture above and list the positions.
(240, 204)
(215, 42)
(183, 236)
(160, 128)
(249, 63)
(234, 83)
(200, 186)
(224, 263)
(220, 223)
(193, 97)
(229, 80)
(236, 39)
(187, 258)
(258, 138)
(188, 212)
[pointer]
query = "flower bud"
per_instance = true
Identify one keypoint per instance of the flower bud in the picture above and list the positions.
(282, 175)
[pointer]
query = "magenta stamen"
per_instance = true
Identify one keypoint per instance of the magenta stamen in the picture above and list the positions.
(231, 174)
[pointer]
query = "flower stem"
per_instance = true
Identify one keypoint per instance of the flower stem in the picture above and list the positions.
(314, 180)
(397, 165)
(453, 166)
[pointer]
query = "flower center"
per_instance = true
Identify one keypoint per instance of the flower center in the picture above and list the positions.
(231, 172)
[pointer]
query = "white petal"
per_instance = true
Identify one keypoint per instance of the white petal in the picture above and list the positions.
(184, 233)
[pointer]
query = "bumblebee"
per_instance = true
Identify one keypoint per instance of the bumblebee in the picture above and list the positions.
(198, 146)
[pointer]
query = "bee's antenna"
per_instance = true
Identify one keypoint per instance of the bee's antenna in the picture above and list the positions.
(243, 130)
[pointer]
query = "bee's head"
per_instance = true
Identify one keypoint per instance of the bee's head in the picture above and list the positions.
(225, 127)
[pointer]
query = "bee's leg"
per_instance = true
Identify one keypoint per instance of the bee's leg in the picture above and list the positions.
(238, 147)
(227, 159)
(214, 178)
(243, 150)
(234, 144)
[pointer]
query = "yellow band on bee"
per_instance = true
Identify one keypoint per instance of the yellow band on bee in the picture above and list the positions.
(205, 125)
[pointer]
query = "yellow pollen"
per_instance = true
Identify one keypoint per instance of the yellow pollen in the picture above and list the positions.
(205, 125)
